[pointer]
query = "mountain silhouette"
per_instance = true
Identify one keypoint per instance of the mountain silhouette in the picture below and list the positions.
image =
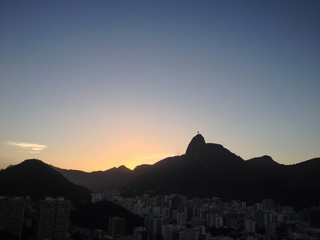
(112, 179)
(203, 168)
(209, 169)
(196, 147)
(36, 179)
(97, 216)
(264, 161)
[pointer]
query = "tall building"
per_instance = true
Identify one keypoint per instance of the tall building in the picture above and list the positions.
(153, 226)
(12, 215)
(117, 226)
(214, 220)
(165, 212)
(250, 225)
(189, 234)
(181, 219)
(54, 218)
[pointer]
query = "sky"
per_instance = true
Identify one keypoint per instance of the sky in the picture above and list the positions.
(92, 85)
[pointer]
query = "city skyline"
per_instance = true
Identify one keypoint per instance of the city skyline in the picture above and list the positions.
(99, 84)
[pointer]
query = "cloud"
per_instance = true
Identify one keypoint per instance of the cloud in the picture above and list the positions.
(28, 147)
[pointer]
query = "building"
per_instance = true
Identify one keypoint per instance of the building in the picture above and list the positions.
(271, 229)
(140, 233)
(117, 226)
(54, 218)
(96, 197)
(12, 215)
(153, 227)
(214, 220)
(249, 225)
(189, 234)
(165, 212)
(181, 219)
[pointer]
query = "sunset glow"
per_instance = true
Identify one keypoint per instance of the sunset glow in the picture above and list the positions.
(92, 85)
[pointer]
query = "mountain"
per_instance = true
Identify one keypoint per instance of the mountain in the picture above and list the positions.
(209, 169)
(192, 173)
(97, 216)
(36, 179)
(264, 161)
(112, 179)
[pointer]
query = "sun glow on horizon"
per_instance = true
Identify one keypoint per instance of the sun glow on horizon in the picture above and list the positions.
(145, 159)
(133, 82)
(100, 165)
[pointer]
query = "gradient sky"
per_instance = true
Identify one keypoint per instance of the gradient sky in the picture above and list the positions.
(93, 84)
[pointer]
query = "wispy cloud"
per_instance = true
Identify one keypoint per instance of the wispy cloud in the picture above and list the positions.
(28, 147)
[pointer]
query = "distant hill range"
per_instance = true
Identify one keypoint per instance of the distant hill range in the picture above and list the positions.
(112, 179)
(36, 179)
(208, 169)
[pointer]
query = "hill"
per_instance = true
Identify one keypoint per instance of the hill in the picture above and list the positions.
(36, 179)
(97, 216)
(264, 161)
(209, 169)
(112, 179)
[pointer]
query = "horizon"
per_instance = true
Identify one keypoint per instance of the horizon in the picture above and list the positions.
(158, 160)
(154, 162)
(93, 85)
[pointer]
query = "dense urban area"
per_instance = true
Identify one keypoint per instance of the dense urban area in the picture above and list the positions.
(163, 217)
